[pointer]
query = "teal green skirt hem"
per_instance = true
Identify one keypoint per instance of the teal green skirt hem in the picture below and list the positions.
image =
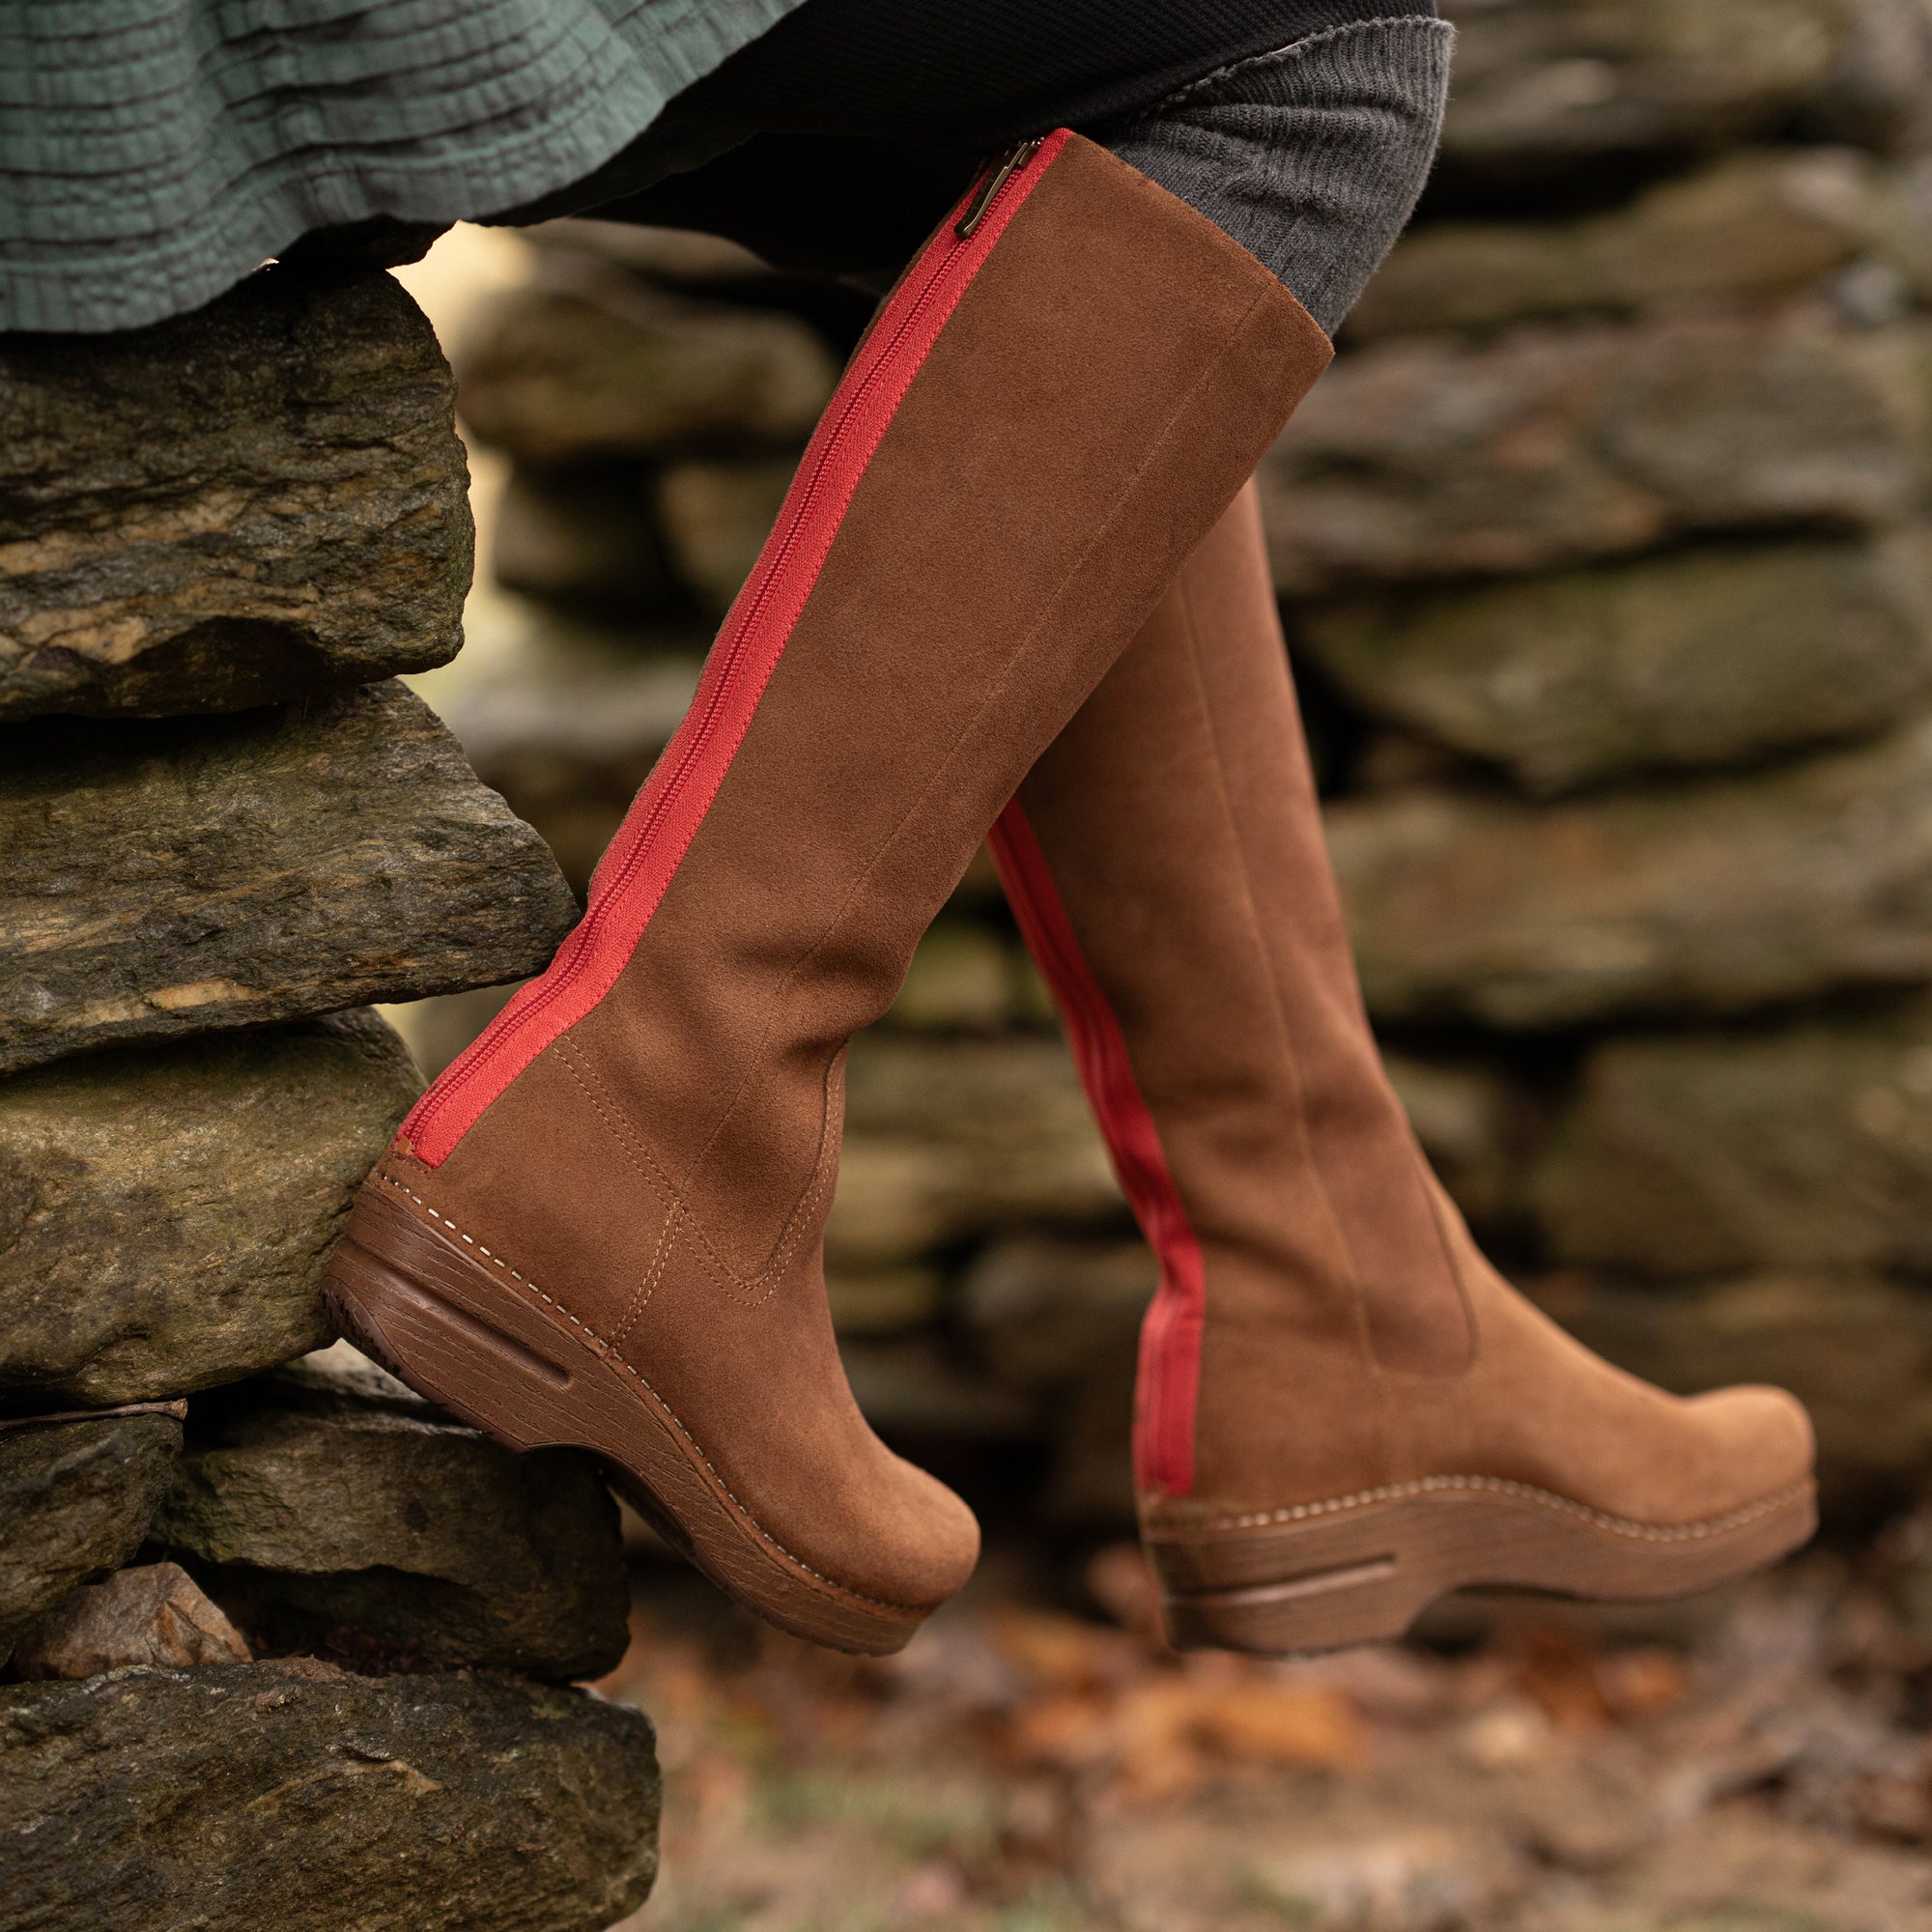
(153, 152)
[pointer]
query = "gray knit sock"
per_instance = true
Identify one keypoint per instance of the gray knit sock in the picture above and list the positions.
(1311, 157)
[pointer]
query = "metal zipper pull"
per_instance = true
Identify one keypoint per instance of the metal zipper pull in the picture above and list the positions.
(1000, 170)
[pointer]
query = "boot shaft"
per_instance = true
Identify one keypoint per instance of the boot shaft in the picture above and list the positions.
(1049, 409)
(1175, 826)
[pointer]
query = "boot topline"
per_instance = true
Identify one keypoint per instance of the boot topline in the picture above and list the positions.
(1342, 1410)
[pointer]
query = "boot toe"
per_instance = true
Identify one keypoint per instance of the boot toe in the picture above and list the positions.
(1763, 1440)
(924, 1544)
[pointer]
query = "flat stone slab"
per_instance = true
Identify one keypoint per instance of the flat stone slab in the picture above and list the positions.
(165, 1212)
(1807, 1146)
(295, 1796)
(564, 717)
(326, 1506)
(75, 1499)
(1542, 84)
(949, 1140)
(261, 500)
(587, 538)
(1704, 656)
(1546, 445)
(172, 877)
(153, 1614)
(1711, 898)
(1060, 1321)
(716, 518)
(1474, 1124)
(606, 368)
(1759, 225)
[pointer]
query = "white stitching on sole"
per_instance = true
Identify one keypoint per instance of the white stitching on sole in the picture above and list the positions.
(1717, 1525)
(608, 1354)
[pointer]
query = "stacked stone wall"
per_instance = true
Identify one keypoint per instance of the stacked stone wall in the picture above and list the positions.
(1603, 553)
(282, 1645)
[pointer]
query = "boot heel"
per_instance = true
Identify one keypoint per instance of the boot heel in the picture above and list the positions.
(1371, 1601)
(1334, 1578)
(473, 1342)
(482, 1375)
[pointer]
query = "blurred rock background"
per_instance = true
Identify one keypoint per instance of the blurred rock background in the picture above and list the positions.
(1604, 557)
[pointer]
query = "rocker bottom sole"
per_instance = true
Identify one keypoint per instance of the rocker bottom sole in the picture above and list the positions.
(478, 1346)
(1361, 1570)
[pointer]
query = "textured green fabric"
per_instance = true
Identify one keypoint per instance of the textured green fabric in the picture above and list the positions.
(153, 152)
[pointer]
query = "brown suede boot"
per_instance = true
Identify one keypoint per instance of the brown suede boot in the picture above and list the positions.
(602, 1225)
(1343, 1411)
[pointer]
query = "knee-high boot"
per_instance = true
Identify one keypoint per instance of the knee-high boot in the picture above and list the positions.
(601, 1226)
(1343, 1410)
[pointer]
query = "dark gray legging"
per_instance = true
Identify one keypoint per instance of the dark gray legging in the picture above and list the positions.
(1310, 152)
(1311, 157)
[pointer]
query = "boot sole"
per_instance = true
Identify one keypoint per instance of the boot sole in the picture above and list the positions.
(1361, 1570)
(498, 1359)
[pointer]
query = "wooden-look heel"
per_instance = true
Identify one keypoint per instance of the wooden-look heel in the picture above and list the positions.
(496, 1356)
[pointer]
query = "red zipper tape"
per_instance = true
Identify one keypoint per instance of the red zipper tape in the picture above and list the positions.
(657, 832)
(1169, 1378)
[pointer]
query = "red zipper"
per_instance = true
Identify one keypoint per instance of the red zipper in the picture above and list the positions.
(1169, 1378)
(638, 868)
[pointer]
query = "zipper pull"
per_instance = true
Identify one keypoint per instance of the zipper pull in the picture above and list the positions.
(999, 172)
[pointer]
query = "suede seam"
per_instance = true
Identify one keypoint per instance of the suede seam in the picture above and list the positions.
(1361, 1323)
(1364, 1301)
(755, 1288)
(1422, 1485)
(675, 1212)
(608, 1352)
